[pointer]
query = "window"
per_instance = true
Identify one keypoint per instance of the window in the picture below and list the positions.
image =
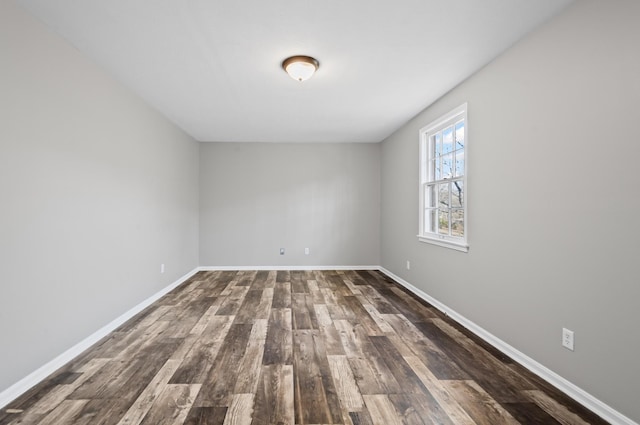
(443, 183)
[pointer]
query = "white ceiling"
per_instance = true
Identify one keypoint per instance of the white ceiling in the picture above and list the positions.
(213, 66)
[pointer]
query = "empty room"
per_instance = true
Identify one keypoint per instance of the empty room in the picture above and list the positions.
(319, 212)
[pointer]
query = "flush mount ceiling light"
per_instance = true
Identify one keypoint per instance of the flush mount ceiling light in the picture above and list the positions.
(300, 68)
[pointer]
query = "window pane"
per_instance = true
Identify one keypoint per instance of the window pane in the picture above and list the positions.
(457, 222)
(459, 135)
(447, 140)
(443, 222)
(457, 194)
(459, 163)
(430, 220)
(447, 166)
(443, 195)
(437, 144)
(430, 196)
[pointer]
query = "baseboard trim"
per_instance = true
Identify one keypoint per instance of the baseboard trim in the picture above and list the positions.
(29, 381)
(269, 268)
(600, 408)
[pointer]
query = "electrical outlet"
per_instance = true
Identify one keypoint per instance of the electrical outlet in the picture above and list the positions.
(306, 251)
(281, 251)
(567, 339)
(408, 265)
(161, 268)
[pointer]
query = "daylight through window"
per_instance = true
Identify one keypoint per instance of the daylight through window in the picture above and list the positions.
(443, 215)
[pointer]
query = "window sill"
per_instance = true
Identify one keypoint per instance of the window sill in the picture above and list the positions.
(458, 246)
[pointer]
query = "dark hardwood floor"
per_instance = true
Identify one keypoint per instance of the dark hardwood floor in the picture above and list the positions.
(299, 347)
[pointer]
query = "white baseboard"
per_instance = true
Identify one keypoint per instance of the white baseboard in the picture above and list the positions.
(605, 411)
(243, 268)
(29, 381)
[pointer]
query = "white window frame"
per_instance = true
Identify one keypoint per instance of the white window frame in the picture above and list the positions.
(426, 176)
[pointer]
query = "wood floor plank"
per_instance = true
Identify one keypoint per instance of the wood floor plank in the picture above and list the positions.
(127, 343)
(336, 305)
(321, 279)
(311, 401)
(370, 371)
(183, 323)
(298, 282)
(151, 335)
(480, 406)
(378, 301)
(530, 413)
(559, 412)
(228, 289)
(274, 402)
(263, 310)
(446, 400)
(362, 316)
(202, 324)
(65, 413)
(172, 405)
(213, 287)
(424, 348)
(304, 316)
(95, 386)
(249, 371)
(405, 328)
(399, 368)
(381, 410)
(247, 310)
(206, 416)
(102, 412)
(378, 318)
(361, 418)
(233, 301)
(50, 401)
(199, 360)
(279, 343)
(282, 295)
(479, 366)
(507, 373)
(58, 394)
(240, 411)
(113, 399)
(352, 287)
(314, 291)
(418, 309)
(260, 280)
(143, 403)
(329, 332)
(337, 285)
(283, 276)
(419, 409)
(338, 414)
(182, 352)
(271, 280)
(245, 277)
(218, 389)
(348, 392)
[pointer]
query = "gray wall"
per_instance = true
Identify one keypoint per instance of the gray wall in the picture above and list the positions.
(553, 200)
(96, 191)
(256, 198)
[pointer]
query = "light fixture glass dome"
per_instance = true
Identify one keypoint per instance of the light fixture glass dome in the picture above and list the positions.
(300, 68)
